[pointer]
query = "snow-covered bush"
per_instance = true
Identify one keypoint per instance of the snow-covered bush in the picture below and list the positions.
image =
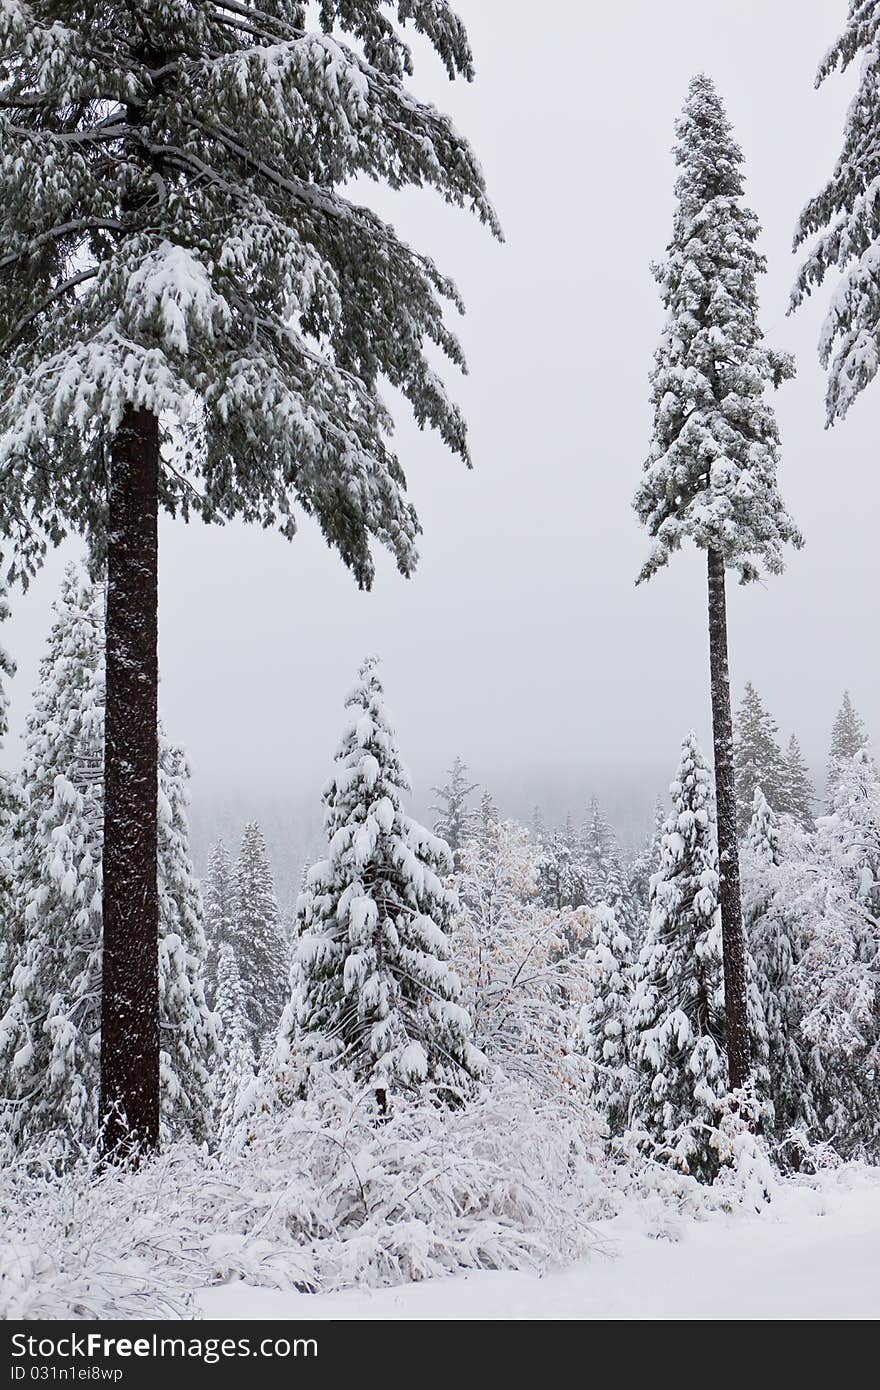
(322, 1197)
(519, 962)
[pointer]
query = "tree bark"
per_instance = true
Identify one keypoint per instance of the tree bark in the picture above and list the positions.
(734, 947)
(130, 993)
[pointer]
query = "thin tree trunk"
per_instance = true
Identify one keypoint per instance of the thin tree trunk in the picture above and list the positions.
(130, 995)
(738, 1045)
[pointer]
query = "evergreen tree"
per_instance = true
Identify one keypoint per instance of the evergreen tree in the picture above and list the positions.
(604, 877)
(456, 821)
(8, 927)
(187, 1031)
(758, 758)
(604, 1019)
(641, 869)
(237, 1070)
(843, 219)
(175, 245)
(710, 476)
(774, 946)
(799, 798)
(678, 1022)
(372, 984)
(261, 950)
(557, 877)
(220, 907)
(50, 1032)
(848, 737)
(488, 814)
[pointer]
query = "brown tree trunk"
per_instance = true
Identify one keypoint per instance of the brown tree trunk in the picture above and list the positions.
(738, 1045)
(130, 994)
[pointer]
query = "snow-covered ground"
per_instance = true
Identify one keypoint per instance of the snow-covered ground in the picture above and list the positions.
(814, 1253)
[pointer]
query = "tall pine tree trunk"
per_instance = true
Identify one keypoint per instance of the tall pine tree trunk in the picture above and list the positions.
(130, 995)
(738, 1045)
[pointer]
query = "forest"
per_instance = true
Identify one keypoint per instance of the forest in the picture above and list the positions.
(482, 1044)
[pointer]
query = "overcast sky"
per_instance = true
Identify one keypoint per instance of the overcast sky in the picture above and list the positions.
(522, 643)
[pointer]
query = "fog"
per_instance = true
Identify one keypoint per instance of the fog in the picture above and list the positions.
(522, 643)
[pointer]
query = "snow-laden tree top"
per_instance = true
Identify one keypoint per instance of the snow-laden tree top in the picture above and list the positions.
(845, 219)
(174, 239)
(710, 476)
(372, 982)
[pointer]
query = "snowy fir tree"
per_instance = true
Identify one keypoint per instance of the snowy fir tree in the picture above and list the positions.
(237, 1069)
(176, 246)
(710, 476)
(187, 1031)
(677, 1020)
(51, 1029)
(7, 669)
(488, 814)
(843, 220)
(558, 879)
(522, 979)
(373, 988)
(261, 949)
(758, 758)
(848, 737)
(645, 863)
(603, 1029)
(603, 872)
(50, 1032)
(219, 912)
(456, 820)
(799, 796)
(774, 945)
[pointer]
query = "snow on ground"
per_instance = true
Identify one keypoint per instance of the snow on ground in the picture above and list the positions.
(814, 1253)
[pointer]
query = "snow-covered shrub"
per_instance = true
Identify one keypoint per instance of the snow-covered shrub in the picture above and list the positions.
(519, 961)
(322, 1197)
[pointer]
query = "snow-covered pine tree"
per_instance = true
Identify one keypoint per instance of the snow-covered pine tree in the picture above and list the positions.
(603, 872)
(187, 1028)
(7, 930)
(773, 942)
(456, 820)
(175, 244)
(556, 872)
(50, 1031)
(372, 984)
(219, 913)
(237, 1069)
(843, 219)
(603, 1028)
(488, 814)
(677, 1021)
(710, 476)
(848, 737)
(261, 950)
(799, 798)
(641, 869)
(758, 758)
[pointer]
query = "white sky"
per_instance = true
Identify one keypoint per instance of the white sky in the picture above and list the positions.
(522, 643)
